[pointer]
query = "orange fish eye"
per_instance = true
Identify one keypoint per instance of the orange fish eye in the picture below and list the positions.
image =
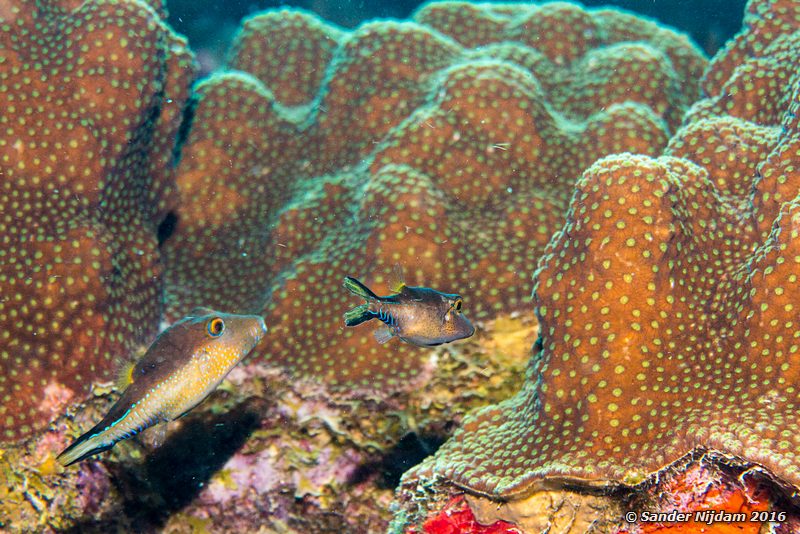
(215, 327)
(457, 305)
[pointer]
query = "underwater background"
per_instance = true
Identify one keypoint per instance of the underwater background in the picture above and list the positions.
(210, 26)
(580, 226)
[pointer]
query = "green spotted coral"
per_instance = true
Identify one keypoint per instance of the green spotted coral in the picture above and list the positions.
(667, 302)
(92, 99)
(323, 153)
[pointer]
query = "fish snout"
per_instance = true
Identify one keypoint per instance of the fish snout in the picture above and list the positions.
(251, 329)
(260, 328)
(466, 328)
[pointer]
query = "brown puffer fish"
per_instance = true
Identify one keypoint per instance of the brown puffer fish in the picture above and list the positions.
(185, 363)
(418, 315)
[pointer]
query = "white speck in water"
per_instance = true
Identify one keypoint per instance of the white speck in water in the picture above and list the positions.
(509, 189)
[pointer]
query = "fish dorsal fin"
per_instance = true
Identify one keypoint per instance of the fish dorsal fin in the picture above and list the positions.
(397, 287)
(397, 279)
(125, 376)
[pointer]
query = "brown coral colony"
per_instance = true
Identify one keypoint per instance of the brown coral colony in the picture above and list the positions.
(667, 301)
(83, 176)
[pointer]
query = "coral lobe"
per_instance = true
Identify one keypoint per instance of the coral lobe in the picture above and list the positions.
(423, 150)
(666, 304)
(85, 182)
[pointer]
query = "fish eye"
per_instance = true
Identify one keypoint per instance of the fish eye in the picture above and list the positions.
(215, 327)
(457, 305)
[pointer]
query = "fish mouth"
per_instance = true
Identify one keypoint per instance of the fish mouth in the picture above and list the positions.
(258, 330)
(470, 332)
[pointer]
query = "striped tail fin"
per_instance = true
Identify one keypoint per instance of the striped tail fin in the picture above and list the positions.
(83, 447)
(357, 288)
(358, 315)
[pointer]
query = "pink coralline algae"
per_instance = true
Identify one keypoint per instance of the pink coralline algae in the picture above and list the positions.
(457, 518)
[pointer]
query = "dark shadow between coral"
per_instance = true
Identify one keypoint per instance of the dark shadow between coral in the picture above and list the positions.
(172, 475)
(387, 469)
(166, 227)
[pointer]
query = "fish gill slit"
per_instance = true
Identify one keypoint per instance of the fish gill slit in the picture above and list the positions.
(386, 317)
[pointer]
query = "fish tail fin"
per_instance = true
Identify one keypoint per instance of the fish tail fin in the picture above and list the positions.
(83, 447)
(357, 315)
(357, 288)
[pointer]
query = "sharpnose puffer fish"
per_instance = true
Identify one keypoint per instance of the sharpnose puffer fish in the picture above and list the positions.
(185, 363)
(418, 315)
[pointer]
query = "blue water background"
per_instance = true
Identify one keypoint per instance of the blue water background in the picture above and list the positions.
(211, 24)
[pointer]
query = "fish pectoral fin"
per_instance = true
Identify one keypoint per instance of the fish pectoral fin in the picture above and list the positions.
(125, 377)
(156, 435)
(383, 334)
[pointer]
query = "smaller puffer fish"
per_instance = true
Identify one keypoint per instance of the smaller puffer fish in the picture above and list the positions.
(418, 315)
(185, 363)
